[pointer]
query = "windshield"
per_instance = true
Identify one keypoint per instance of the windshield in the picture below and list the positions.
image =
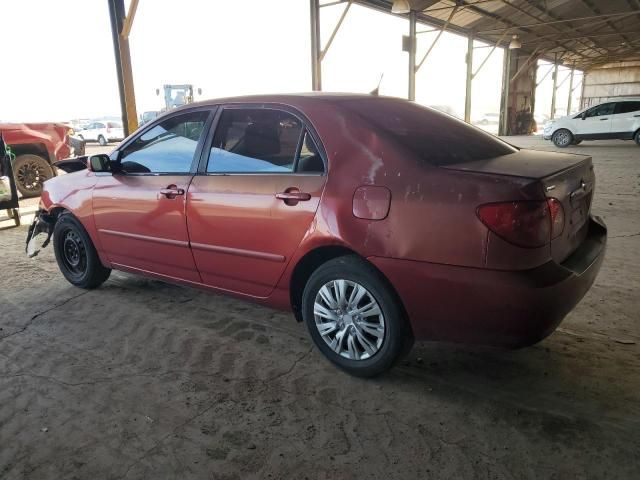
(436, 138)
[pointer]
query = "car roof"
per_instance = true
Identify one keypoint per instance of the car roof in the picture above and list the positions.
(292, 99)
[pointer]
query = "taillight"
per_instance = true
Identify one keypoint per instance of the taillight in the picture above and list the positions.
(108, 129)
(557, 217)
(529, 224)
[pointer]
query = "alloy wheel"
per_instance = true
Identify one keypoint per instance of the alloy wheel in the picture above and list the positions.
(31, 175)
(349, 319)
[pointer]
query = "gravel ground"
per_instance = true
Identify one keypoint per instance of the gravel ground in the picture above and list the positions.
(140, 379)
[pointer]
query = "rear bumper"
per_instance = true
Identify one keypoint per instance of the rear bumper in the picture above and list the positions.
(490, 307)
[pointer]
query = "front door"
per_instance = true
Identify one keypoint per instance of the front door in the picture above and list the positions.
(255, 199)
(597, 122)
(140, 211)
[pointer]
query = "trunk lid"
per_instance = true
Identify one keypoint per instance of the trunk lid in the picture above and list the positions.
(566, 177)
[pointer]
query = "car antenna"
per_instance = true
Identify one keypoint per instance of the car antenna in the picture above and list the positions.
(376, 91)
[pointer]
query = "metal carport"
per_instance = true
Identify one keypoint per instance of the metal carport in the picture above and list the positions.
(580, 34)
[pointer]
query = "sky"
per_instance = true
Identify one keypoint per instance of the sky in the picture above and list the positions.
(64, 69)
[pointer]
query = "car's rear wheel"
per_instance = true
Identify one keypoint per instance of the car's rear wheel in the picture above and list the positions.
(562, 138)
(76, 256)
(30, 172)
(354, 317)
(102, 141)
(637, 137)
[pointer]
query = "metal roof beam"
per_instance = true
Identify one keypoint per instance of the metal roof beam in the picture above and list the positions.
(576, 19)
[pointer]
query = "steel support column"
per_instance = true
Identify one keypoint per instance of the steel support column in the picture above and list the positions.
(123, 66)
(570, 91)
(412, 55)
(469, 80)
(555, 87)
(504, 102)
(316, 64)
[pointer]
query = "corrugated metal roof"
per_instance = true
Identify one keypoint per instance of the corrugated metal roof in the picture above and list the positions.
(584, 33)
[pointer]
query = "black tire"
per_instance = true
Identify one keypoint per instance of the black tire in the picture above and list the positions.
(396, 337)
(637, 138)
(102, 141)
(576, 142)
(30, 172)
(76, 256)
(562, 138)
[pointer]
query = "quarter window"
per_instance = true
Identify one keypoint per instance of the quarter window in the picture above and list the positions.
(255, 140)
(168, 147)
(310, 160)
(627, 107)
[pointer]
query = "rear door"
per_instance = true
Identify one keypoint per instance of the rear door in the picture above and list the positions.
(140, 212)
(254, 198)
(626, 119)
(597, 122)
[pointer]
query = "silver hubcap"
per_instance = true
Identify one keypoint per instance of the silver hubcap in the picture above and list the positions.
(349, 319)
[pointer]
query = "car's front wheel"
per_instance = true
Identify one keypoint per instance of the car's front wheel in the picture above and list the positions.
(637, 137)
(102, 141)
(30, 172)
(76, 256)
(354, 318)
(562, 138)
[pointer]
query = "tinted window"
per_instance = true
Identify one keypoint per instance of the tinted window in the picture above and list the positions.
(599, 110)
(255, 140)
(627, 107)
(435, 137)
(168, 147)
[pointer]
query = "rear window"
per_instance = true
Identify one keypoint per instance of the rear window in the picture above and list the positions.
(436, 138)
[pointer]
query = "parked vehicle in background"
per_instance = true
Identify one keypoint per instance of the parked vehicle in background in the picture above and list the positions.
(407, 224)
(36, 147)
(488, 119)
(618, 120)
(102, 132)
(146, 117)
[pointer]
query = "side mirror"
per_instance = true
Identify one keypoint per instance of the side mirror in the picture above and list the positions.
(584, 115)
(100, 163)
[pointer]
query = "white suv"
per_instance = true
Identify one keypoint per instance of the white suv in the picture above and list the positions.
(619, 119)
(102, 132)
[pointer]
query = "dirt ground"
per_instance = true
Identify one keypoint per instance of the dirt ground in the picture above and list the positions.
(140, 379)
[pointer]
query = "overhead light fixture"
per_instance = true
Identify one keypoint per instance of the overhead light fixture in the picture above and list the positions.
(515, 43)
(400, 6)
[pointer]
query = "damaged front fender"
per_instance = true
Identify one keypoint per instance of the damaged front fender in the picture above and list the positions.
(41, 227)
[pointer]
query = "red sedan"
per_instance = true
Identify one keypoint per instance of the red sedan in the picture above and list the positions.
(375, 220)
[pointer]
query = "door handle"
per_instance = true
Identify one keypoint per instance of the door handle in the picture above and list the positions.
(172, 191)
(295, 196)
(291, 196)
(603, 119)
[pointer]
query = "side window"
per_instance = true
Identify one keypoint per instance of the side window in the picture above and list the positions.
(627, 107)
(168, 147)
(254, 140)
(604, 109)
(310, 160)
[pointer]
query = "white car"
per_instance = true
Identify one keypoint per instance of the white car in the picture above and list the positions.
(619, 119)
(102, 132)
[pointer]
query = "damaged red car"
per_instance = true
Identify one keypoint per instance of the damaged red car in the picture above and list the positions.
(375, 220)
